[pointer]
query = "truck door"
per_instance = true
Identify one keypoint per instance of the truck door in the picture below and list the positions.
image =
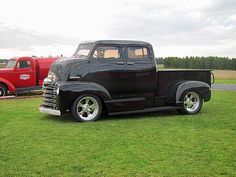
(25, 74)
(140, 67)
(107, 68)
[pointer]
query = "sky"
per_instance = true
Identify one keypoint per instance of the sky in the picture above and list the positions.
(173, 27)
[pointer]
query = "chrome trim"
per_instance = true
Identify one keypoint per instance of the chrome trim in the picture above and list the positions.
(74, 77)
(49, 111)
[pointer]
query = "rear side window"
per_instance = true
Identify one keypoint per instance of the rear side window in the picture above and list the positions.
(106, 52)
(137, 52)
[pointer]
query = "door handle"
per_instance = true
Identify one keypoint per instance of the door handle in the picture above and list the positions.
(120, 63)
(130, 63)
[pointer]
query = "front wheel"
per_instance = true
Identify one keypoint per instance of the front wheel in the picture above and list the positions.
(86, 108)
(192, 103)
(3, 90)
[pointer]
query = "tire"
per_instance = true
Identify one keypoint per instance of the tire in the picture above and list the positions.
(86, 108)
(192, 103)
(3, 90)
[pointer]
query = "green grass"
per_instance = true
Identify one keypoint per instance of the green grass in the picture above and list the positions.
(2, 66)
(156, 144)
(225, 81)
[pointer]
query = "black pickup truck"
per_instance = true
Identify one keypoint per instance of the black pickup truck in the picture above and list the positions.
(120, 77)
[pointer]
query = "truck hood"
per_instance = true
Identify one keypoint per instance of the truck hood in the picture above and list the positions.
(6, 70)
(62, 68)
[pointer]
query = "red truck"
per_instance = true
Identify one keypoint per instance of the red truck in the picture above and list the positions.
(24, 73)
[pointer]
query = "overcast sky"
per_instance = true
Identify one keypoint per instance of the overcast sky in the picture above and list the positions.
(174, 27)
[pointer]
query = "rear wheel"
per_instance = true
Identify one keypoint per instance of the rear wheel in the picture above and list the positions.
(3, 90)
(86, 108)
(192, 103)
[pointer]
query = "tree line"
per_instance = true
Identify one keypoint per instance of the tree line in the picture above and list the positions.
(210, 62)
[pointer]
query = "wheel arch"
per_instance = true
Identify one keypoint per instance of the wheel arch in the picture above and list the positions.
(8, 85)
(202, 88)
(71, 90)
(4, 84)
(104, 106)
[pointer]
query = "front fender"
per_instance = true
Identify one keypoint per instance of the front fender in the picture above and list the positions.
(9, 85)
(69, 91)
(201, 87)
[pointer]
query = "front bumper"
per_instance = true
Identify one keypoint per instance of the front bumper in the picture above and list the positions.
(49, 111)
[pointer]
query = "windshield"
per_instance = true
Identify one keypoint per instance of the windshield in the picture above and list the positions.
(83, 50)
(11, 64)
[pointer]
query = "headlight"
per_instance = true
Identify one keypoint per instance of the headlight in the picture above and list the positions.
(52, 76)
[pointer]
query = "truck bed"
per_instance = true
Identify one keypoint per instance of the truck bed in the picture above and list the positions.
(165, 77)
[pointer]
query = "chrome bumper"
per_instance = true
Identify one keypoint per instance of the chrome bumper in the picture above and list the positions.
(49, 111)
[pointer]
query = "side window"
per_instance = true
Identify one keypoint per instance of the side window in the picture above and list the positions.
(137, 52)
(24, 64)
(106, 52)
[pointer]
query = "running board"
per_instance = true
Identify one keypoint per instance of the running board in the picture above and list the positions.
(26, 89)
(155, 109)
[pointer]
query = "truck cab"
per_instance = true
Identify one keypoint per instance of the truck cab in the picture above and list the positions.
(120, 77)
(24, 73)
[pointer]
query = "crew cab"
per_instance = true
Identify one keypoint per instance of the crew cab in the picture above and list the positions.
(120, 77)
(24, 73)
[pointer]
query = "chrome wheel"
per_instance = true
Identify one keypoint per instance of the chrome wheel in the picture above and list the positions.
(87, 108)
(192, 102)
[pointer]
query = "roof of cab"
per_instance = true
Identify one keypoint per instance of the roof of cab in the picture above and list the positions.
(33, 58)
(119, 42)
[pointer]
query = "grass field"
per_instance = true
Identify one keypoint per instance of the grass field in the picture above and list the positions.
(225, 81)
(156, 144)
(2, 66)
(225, 76)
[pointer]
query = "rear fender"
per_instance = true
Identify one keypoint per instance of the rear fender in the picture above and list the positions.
(10, 86)
(201, 87)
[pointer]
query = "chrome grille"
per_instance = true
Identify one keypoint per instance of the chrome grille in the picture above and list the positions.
(49, 96)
